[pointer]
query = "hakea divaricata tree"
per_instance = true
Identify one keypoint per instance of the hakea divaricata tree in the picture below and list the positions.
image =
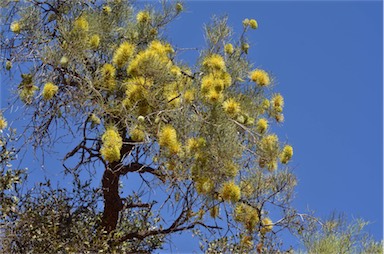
(104, 73)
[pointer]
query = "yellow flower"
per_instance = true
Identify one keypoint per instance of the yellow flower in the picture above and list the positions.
(112, 143)
(3, 123)
(95, 120)
(123, 53)
(189, 96)
(231, 107)
(179, 7)
(230, 192)
(94, 41)
(262, 125)
(173, 99)
(247, 215)
(246, 22)
(245, 47)
(107, 9)
(143, 17)
(269, 148)
(27, 92)
(265, 104)
(148, 63)
(108, 71)
(228, 48)
(286, 154)
(204, 185)
(81, 24)
(8, 65)
(246, 241)
(214, 96)
(267, 225)
(279, 118)
(49, 91)
(175, 70)
(260, 77)
(64, 61)
(253, 24)
(277, 101)
(168, 139)
(194, 144)
(16, 27)
(137, 134)
(160, 48)
(214, 62)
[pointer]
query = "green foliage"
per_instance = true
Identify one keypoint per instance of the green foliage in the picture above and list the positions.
(335, 235)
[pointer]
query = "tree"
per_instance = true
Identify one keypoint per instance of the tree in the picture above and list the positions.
(102, 75)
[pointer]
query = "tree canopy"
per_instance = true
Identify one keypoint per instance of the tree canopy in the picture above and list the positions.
(192, 139)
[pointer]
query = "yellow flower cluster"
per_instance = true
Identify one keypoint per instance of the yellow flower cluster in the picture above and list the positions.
(213, 85)
(154, 58)
(194, 144)
(173, 98)
(245, 47)
(179, 7)
(253, 24)
(160, 48)
(15, 27)
(228, 48)
(136, 90)
(137, 134)
(143, 17)
(250, 22)
(262, 125)
(123, 53)
(108, 73)
(277, 107)
(49, 90)
(286, 154)
(204, 185)
(267, 225)
(246, 241)
(81, 24)
(94, 41)
(168, 139)
(260, 77)
(231, 107)
(247, 215)
(3, 123)
(269, 146)
(27, 89)
(277, 103)
(214, 62)
(189, 96)
(230, 192)
(112, 143)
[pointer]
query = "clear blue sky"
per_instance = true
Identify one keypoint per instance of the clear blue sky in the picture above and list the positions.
(327, 58)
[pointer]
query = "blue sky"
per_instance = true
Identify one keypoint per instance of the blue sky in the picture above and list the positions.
(327, 58)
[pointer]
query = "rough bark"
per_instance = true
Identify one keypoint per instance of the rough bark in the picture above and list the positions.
(112, 201)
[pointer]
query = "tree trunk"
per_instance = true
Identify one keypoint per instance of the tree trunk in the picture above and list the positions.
(112, 201)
